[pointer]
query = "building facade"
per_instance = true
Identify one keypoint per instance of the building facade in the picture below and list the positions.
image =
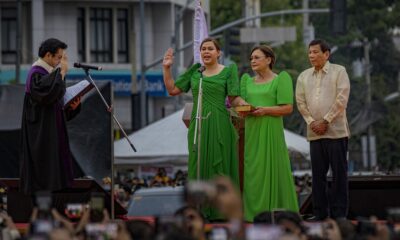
(104, 33)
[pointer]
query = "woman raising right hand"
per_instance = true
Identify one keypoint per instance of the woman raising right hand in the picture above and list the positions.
(218, 135)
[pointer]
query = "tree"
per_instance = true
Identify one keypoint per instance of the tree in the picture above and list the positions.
(366, 19)
(373, 20)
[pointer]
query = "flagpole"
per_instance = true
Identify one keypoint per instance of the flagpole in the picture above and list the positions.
(197, 130)
(200, 32)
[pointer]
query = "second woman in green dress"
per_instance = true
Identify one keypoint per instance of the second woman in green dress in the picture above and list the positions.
(268, 182)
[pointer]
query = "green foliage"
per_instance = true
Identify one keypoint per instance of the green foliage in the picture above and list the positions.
(373, 20)
(224, 11)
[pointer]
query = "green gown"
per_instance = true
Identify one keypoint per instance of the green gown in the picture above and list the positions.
(218, 136)
(268, 181)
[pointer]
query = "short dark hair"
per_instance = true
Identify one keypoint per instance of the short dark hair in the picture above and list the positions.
(264, 217)
(51, 45)
(213, 40)
(322, 43)
(181, 211)
(268, 52)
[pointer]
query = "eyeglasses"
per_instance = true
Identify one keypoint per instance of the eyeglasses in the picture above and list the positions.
(256, 58)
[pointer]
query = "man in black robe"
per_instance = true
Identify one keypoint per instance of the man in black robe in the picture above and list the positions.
(46, 163)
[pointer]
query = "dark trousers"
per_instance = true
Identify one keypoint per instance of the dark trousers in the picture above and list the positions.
(331, 201)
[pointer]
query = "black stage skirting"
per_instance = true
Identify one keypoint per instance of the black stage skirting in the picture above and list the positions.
(368, 195)
(19, 206)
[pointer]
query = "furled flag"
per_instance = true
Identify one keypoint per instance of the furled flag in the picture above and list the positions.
(200, 31)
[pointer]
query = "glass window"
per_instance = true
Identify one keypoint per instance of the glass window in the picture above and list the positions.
(100, 35)
(81, 35)
(122, 35)
(9, 35)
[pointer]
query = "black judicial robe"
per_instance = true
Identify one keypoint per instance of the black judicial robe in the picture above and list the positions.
(46, 160)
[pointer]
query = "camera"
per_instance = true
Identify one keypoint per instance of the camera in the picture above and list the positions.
(219, 233)
(74, 210)
(101, 231)
(166, 224)
(393, 215)
(43, 203)
(202, 192)
(3, 208)
(263, 232)
(316, 230)
(366, 227)
(96, 207)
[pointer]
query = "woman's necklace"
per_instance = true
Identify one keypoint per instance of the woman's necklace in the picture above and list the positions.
(264, 79)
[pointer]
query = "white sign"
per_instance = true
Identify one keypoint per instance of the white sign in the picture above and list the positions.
(268, 34)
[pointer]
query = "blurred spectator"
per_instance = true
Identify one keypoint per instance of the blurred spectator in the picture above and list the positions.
(137, 184)
(179, 179)
(347, 229)
(8, 230)
(140, 230)
(264, 217)
(106, 183)
(123, 195)
(193, 222)
(160, 179)
(291, 222)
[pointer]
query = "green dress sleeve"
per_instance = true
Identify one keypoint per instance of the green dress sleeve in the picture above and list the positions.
(243, 86)
(233, 81)
(285, 89)
(183, 81)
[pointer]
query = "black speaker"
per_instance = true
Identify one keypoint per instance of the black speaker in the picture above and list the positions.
(338, 16)
(368, 195)
(19, 205)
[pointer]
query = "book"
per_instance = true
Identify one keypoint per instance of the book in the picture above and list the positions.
(77, 90)
(244, 108)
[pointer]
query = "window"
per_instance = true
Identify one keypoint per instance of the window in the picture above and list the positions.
(100, 35)
(122, 35)
(108, 37)
(8, 35)
(81, 35)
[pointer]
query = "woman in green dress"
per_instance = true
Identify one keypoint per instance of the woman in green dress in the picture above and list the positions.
(268, 181)
(218, 153)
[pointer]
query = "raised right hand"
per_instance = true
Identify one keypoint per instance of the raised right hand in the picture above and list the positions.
(64, 64)
(168, 58)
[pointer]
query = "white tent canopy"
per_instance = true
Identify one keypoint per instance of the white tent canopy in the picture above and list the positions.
(165, 141)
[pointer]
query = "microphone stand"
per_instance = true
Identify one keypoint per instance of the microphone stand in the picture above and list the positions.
(199, 118)
(110, 110)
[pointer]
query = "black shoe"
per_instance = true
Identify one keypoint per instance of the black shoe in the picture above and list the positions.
(340, 219)
(315, 219)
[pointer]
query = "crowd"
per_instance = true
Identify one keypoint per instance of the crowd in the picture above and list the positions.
(126, 185)
(188, 222)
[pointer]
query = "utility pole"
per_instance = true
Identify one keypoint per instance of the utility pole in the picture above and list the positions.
(306, 15)
(19, 42)
(371, 154)
(308, 29)
(143, 110)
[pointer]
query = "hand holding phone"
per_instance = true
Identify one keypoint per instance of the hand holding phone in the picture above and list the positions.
(74, 210)
(96, 207)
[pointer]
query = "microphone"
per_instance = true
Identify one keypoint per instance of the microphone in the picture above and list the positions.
(201, 69)
(84, 66)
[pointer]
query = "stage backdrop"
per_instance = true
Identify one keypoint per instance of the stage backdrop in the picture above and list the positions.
(90, 133)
